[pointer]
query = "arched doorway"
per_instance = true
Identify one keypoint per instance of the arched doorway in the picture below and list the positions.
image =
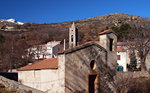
(93, 83)
(93, 79)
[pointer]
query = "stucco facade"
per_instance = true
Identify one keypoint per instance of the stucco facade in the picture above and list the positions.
(48, 50)
(47, 80)
(124, 55)
(122, 60)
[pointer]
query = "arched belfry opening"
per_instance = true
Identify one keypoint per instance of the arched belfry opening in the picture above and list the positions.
(71, 38)
(111, 44)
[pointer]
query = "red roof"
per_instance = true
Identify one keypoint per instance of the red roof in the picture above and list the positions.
(121, 43)
(107, 32)
(50, 63)
(120, 49)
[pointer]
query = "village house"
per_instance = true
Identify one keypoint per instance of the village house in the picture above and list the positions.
(8, 28)
(48, 50)
(86, 68)
(124, 56)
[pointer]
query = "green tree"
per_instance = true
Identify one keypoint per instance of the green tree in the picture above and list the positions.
(1, 38)
(122, 31)
(133, 61)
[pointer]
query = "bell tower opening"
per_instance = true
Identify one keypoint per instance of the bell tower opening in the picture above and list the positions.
(110, 44)
(71, 38)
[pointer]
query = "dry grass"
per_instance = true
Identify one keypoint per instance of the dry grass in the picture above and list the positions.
(128, 84)
(140, 85)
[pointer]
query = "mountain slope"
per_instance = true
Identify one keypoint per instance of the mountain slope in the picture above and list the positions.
(89, 28)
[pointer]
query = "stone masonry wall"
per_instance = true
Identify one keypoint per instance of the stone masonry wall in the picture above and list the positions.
(135, 74)
(16, 86)
(78, 68)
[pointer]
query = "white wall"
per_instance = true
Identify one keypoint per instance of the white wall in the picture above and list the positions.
(39, 79)
(47, 80)
(48, 50)
(123, 60)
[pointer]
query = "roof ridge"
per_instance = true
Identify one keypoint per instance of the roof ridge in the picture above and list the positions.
(76, 47)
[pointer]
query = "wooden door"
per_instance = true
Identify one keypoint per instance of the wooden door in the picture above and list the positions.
(91, 83)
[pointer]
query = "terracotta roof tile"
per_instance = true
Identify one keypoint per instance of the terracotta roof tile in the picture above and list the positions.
(107, 32)
(121, 43)
(120, 49)
(97, 42)
(50, 63)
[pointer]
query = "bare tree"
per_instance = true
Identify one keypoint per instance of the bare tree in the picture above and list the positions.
(123, 82)
(139, 39)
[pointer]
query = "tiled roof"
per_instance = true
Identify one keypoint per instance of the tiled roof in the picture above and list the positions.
(50, 63)
(107, 32)
(82, 46)
(120, 49)
(129, 43)
(121, 43)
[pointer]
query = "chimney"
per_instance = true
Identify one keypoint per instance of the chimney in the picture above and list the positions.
(64, 44)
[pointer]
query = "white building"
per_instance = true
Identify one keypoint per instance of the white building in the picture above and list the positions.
(36, 75)
(124, 55)
(48, 50)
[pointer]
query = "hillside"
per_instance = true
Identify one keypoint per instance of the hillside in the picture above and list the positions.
(88, 28)
(31, 34)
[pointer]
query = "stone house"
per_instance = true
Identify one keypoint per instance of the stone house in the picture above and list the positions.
(86, 68)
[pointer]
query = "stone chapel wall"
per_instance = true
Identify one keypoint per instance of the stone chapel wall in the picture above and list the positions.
(77, 68)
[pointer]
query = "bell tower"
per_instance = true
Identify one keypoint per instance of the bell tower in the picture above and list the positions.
(108, 40)
(73, 36)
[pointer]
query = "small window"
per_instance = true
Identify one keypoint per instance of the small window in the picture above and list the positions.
(111, 44)
(138, 54)
(71, 38)
(118, 57)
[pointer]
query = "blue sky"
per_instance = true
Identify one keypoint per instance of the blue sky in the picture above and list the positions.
(53, 11)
